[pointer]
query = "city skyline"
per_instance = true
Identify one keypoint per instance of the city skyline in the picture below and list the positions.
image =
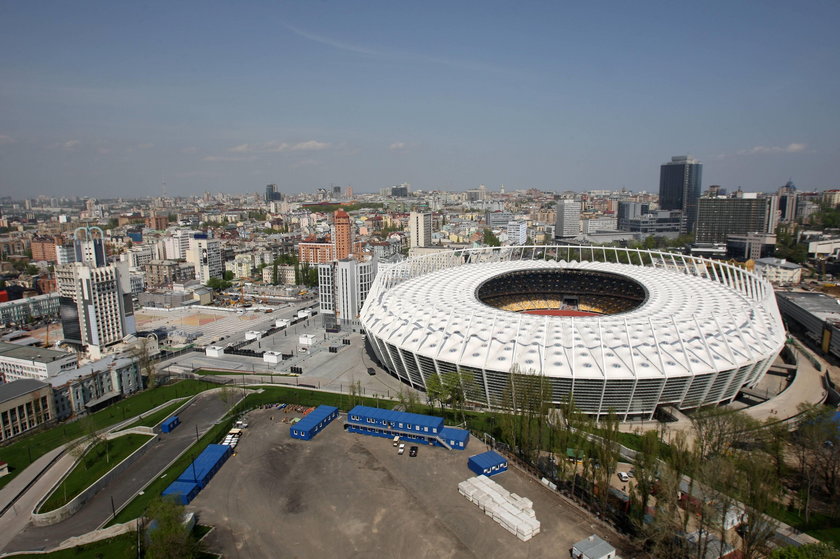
(112, 100)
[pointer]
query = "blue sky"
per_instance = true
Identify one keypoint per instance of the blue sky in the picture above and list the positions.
(109, 98)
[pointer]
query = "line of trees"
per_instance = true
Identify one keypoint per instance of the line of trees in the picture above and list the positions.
(728, 469)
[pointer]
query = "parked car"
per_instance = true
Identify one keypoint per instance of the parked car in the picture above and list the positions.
(623, 477)
(412, 451)
(371, 371)
(397, 440)
(401, 450)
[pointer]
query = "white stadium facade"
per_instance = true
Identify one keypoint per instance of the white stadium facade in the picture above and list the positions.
(618, 330)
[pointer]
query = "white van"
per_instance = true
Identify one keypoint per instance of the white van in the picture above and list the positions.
(397, 440)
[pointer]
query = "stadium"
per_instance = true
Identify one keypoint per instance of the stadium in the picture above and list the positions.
(616, 330)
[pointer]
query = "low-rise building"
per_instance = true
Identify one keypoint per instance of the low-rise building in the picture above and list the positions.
(24, 362)
(26, 310)
(24, 405)
(163, 273)
(779, 271)
(94, 386)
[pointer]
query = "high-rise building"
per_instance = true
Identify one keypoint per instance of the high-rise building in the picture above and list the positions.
(400, 191)
(568, 219)
(95, 304)
(679, 188)
(342, 234)
(420, 229)
(719, 217)
(206, 256)
(89, 244)
(517, 232)
(272, 194)
(787, 202)
(343, 286)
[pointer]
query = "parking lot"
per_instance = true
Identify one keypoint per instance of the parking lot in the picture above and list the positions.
(347, 495)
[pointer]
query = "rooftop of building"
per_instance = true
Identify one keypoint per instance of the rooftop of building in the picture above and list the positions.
(18, 388)
(37, 354)
(820, 305)
(778, 263)
(86, 370)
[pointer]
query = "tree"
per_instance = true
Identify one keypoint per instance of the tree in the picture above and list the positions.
(490, 239)
(756, 489)
(142, 352)
(647, 467)
(168, 536)
(218, 284)
(228, 275)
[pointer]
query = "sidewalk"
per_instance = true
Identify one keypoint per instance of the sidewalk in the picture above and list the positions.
(10, 493)
(18, 515)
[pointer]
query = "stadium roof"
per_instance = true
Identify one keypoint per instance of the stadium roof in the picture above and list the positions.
(689, 324)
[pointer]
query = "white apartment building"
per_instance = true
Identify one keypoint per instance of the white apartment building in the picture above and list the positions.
(206, 255)
(343, 286)
(517, 232)
(779, 271)
(95, 305)
(594, 224)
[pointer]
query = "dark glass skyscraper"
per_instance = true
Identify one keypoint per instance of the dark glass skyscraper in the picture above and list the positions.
(679, 188)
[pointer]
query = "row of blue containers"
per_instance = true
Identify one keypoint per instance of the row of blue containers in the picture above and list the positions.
(198, 474)
(169, 425)
(412, 427)
(313, 422)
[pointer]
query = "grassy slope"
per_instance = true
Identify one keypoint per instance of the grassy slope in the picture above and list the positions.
(94, 464)
(19, 453)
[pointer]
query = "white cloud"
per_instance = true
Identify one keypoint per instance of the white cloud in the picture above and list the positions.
(189, 149)
(215, 158)
(103, 151)
(7, 139)
(397, 146)
(147, 145)
(790, 148)
(70, 144)
(311, 145)
(276, 146)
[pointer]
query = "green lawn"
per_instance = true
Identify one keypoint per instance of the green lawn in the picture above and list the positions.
(153, 419)
(96, 462)
(123, 546)
(30, 447)
(821, 526)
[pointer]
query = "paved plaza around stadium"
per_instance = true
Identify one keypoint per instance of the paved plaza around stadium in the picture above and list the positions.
(347, 495)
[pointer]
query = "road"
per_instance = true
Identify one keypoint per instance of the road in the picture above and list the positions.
(201, 414)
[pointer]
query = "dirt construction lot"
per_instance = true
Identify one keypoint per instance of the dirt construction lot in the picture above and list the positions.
(348, 495)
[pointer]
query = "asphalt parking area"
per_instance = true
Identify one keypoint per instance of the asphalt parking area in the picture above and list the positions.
(349, 495)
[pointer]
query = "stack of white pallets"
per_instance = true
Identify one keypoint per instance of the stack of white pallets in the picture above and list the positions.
(514, 513)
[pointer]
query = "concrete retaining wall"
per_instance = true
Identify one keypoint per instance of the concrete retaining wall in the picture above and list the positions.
(71, 508)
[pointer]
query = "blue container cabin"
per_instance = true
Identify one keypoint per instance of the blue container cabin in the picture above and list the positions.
(202, 470)
(487, 463)
(182, 492)
(313, 422)
(410, 427)
(169, 424)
